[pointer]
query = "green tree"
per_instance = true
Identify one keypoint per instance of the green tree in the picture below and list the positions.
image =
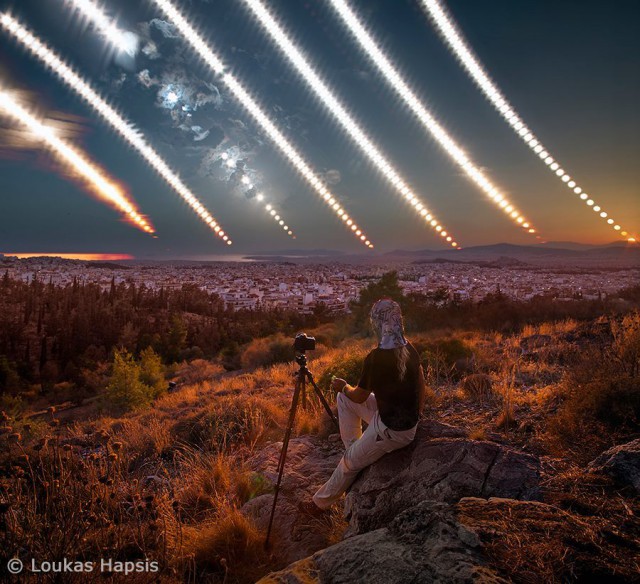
(152, 372)
(9, 379)
(126, 391)
(176, 339)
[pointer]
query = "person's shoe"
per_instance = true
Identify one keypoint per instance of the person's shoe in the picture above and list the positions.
(309, 508)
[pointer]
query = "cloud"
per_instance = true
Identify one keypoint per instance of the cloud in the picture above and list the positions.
(204, 124)
(167, 29)
(331, 176)
(145, 79)
(200, 134)
(150, 49)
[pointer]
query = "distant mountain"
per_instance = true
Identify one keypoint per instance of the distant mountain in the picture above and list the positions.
(582, 246)
(299, 253)
(612, 255)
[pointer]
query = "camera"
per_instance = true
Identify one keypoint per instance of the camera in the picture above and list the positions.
(303, 343)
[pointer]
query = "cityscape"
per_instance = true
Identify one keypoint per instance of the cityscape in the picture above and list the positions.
(253, 285)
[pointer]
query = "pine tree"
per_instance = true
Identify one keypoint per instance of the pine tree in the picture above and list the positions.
(152, 372)
(125, 390)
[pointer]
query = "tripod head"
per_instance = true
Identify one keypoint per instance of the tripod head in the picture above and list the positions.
(301, 359)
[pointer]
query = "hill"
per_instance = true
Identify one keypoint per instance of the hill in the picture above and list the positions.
(188, 481)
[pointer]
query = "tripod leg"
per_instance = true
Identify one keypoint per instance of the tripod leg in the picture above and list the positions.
(303, 394)
(283, 453)
(323, 400)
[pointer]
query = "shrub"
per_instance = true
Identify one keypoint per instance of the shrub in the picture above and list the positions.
(198, 371)
(210, 481)
(447, 358)
(231, 421)
(152, 372)
(478, 387)
(126, 391)
(626, 344)
(598, 399)
(329, 334)
(267, 351)
(229, 547)
(347, 365)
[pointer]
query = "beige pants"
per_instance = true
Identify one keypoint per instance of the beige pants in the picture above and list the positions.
(361, 449)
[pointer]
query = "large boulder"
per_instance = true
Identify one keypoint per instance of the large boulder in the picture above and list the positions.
(438, 469)
(424, 544)
(622, 463)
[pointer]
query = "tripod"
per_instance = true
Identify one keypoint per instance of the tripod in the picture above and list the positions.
(302, 376)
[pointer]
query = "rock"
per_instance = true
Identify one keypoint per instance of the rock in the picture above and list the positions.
(441, 464)
(435, 429)
(622, 463)
(424, 544)
(439, 469)
(475, 540)
(310, 462)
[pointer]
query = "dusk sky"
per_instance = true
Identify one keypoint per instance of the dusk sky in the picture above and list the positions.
(569, 67)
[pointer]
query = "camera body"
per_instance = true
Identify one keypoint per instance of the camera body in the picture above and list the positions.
(303, 342)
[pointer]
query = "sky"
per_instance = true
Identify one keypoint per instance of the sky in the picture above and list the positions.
(569, 67)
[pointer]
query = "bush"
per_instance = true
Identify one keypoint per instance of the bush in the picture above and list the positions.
(152, 372)
(198, 371)
(599, 399)
(447, 358)
(348, 365)
(478, 387)
(231, 548)
(267, 351)
(626, 345)
(126, 391)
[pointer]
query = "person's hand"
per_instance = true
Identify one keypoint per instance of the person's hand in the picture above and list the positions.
(338, 384)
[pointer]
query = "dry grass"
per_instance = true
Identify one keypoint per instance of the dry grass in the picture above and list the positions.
(227, 549)
(197, 371)
(478, 387)
(532, 543)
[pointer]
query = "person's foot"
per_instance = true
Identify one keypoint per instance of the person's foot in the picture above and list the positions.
(309, 508)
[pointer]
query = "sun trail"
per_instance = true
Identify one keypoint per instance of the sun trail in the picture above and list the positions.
(122, 40)
(126, 130)
(271, 210)
(199, 45)
(456, 42)
(74, 160)
(424, 116)
(346, 120)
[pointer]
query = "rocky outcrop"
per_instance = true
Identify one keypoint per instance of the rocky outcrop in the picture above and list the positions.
(474, 540)
(442, 465)
(622, 463)
(442, 469)
(425, 544)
